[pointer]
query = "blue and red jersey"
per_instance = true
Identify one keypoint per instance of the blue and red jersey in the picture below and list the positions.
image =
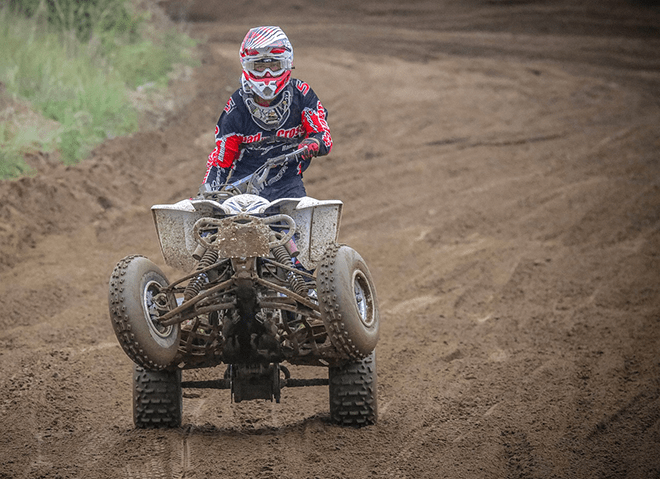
(242, 145)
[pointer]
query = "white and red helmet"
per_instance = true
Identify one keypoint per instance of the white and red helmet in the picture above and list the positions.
(267, 58)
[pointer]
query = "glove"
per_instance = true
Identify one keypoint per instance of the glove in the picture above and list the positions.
(313, 145)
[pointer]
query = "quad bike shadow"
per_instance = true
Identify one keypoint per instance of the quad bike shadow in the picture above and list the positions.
(265, 283)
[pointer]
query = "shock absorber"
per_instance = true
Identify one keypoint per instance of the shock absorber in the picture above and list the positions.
(295, 280)
(197, 282)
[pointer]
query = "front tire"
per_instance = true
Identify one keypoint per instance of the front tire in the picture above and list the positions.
(134, 285)
(157, 398)
(347, 297)
(354, 393)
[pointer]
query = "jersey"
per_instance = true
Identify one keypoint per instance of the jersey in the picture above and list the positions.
(243, 144)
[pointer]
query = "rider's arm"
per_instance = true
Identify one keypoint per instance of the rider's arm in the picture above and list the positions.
(314, 118)
(221, 159)
(227, 148)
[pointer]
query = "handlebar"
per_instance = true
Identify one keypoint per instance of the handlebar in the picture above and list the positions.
(253, 183)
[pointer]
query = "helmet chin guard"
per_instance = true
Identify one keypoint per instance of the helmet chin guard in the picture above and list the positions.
(269, 117)
(267, 87)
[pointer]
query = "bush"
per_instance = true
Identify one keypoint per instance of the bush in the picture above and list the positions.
(64, 82)
(81, 16)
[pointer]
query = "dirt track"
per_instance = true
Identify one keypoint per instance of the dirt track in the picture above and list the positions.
(499, 165)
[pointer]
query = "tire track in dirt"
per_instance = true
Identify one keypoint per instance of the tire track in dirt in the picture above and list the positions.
(157, 465)
(185, 457)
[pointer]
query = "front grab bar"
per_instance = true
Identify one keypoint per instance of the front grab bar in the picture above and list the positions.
(207, 231)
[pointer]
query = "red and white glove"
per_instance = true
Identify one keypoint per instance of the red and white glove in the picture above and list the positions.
(313, 145)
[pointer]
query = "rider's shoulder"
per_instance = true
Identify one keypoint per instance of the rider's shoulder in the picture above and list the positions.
(301, 87)
(234, 104)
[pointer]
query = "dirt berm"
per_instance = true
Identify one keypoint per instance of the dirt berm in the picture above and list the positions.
(499, 165)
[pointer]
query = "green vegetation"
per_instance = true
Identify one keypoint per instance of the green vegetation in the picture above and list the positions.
(82, 17)
(66, 70)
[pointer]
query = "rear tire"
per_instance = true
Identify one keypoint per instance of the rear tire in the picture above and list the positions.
(134, 284)
(354, 393)
(157, 398)
(347, 297)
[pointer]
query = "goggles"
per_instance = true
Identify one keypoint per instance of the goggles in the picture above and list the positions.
(259, 67)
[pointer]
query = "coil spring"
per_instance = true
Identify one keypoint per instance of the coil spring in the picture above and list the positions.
(197, 283)
(295, 280)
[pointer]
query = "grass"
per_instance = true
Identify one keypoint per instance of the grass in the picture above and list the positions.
(67, 95)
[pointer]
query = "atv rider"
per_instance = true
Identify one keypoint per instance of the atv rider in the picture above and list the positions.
(270, 115)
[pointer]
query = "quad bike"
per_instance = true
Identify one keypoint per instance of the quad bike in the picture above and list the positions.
(265, 283)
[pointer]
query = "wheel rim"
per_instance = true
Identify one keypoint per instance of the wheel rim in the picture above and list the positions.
(364, 299)
(151, 310)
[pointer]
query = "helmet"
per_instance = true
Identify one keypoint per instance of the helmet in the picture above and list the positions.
(267, 58)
